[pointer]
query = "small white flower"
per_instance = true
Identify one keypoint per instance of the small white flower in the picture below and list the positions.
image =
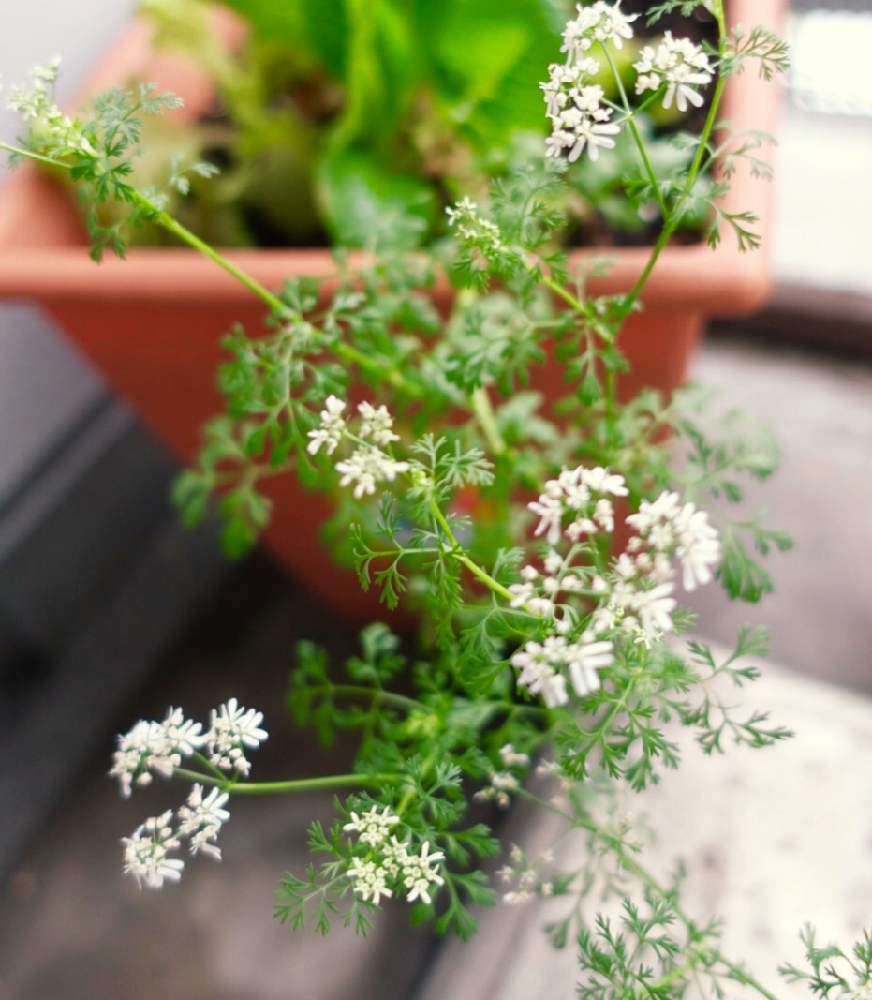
(466, 220)
(521, 594)
(376, 424)
(600, 480)
(201, 820)
(541, 607)
(592, 136)
(655, 609)
(146, 853)
(332, 428)
(680, 66)
(421, 872)
(550, 512)
(154, 747)
(368, 880)
(233, 729)
(553, 562)
(537, 673)
(373, 827)
(698, 546)
(585, 659)
(600, 22)
(673, 529)
(366, 468)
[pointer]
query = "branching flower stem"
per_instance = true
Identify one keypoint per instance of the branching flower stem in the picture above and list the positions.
(671, 222)
(637, 136)
(285, 787)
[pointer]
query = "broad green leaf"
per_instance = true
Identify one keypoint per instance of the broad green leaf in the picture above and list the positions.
(487, 58)
(366, 204)
(320, 26)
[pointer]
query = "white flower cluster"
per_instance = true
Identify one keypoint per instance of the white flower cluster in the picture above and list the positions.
(329, 435)
(202, 818)
(154, 747)
(634, 598)
(390, 864)
(467, 221)
(233, 730)
(502, 783)
(147, 850)
(575, 104)
(583, 492)
(37, 107)
(679, 65)
(670, 528)
(579, 117)
(541, 666)
(367, 465)
(158, 748)
(529, 876)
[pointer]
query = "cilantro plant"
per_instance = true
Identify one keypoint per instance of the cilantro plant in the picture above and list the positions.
(553, 658)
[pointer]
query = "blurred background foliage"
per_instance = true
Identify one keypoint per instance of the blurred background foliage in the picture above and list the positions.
(356, 122)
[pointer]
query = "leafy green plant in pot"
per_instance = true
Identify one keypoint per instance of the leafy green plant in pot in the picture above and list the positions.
(153, 325)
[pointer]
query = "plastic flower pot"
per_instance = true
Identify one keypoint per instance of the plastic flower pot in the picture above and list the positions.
(151, 324)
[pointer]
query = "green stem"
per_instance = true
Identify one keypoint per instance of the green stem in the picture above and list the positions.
(18, 151)
(171, 225)
(463, 558)
(637, 136)
(484, 412)
(283, 787)
(375, 694)
(165, 220)
(672, 977)
(485, 578)
(671, 222)
(205, 762)
(571, 300)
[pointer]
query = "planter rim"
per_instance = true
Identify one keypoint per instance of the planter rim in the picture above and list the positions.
(50, 262)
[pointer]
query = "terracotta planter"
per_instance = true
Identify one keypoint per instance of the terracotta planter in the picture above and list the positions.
(151, 324)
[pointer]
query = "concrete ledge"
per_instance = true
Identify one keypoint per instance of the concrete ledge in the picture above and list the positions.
(772, 839)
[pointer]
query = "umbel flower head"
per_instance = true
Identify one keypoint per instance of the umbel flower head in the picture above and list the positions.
(630, 599)
(368, 465)
(574, 103)
(390, 864)
(679, 65)
(147, 852)
(159, 748)
(154, 747)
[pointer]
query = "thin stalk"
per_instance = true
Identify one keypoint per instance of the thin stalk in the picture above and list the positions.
(18, 151)
(374, 694)
(170, 224)
(484, 412)
(634, 131)
(485, 578)
(205, 762)
(459, 553)
(284, 787)
(563, 293)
